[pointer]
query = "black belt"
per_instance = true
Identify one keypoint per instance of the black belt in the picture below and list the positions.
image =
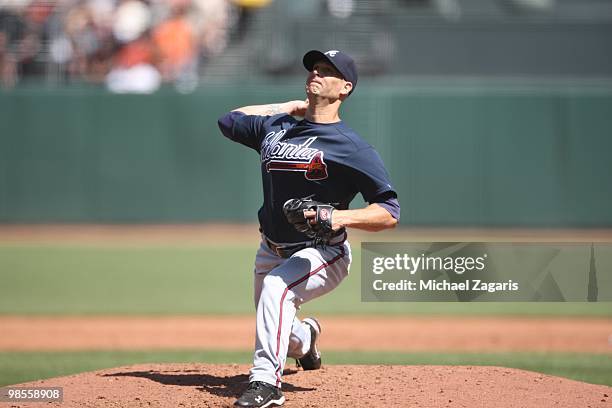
(286, 250)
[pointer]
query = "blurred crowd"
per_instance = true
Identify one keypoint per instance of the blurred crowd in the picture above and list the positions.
(131, 45)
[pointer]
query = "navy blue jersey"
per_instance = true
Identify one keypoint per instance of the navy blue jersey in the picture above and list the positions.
(302, 158)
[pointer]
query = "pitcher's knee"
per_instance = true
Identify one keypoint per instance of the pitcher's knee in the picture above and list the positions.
(273, 290)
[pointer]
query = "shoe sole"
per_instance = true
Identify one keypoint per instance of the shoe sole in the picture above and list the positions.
(277, 402)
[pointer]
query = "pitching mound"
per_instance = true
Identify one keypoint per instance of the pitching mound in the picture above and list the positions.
(200, 385)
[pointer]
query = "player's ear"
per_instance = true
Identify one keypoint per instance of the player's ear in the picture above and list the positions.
(346, 88)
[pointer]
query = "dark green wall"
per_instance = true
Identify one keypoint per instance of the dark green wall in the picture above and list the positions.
(459, 155)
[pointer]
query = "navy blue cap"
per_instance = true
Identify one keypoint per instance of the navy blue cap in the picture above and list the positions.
(341, 61)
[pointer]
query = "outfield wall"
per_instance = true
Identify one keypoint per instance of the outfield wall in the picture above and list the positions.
(459, 154)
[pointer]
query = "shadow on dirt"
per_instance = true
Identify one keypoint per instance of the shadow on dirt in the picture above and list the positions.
(226, 386)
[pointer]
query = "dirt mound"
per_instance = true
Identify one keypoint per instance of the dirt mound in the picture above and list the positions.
(203, 385)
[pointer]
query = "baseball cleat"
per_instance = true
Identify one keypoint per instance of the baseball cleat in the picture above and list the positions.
(260, 394)
(312, 359)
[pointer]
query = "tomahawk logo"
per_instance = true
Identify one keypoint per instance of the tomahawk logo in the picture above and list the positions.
(315, 169)
(332, 53)
(285, 156)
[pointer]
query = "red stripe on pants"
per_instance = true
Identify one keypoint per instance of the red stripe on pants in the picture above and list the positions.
(292, 285)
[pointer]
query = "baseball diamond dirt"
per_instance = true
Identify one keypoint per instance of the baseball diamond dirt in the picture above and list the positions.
(198, 385)
(207, 385)
(385, 333)
(215, 234)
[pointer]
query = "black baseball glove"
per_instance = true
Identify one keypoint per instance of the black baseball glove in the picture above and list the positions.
(322, 229)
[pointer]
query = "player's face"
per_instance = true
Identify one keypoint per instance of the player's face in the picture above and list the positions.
(324, 80)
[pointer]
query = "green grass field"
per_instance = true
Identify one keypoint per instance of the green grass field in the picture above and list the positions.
(61, 280)
(155, 280)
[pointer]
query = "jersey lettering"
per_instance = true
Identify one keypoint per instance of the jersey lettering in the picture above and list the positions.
(273, 148)
(285, 156)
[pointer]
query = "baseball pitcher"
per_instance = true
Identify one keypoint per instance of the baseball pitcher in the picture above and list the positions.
(311, 170)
